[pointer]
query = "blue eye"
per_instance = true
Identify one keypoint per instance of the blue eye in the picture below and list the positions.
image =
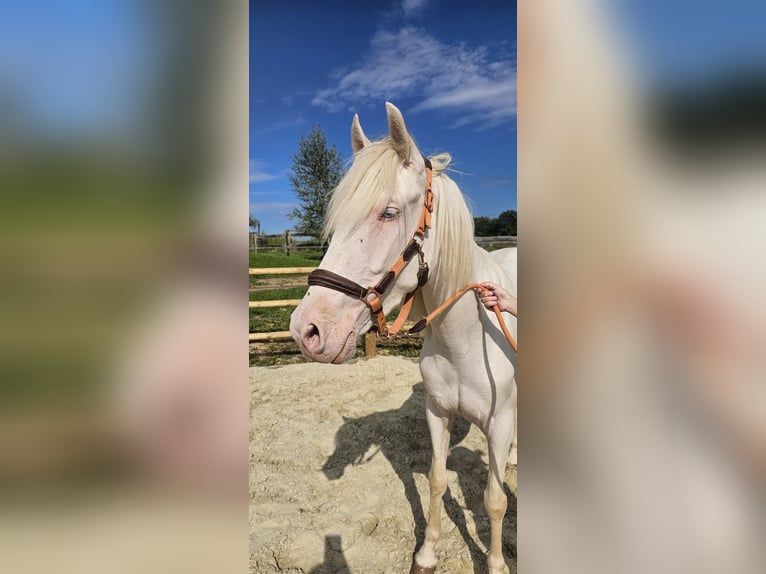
(390, 213)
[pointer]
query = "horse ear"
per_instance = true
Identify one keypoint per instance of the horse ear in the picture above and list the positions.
(358, 139)
(398, 132)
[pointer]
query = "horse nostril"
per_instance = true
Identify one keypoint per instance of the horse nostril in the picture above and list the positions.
(311, 336)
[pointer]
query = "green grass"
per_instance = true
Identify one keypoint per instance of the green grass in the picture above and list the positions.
(270, 319)
(273, 318)
(304, 258)
(274, 294)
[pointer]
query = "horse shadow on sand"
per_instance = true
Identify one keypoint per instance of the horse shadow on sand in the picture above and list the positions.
(401, 435)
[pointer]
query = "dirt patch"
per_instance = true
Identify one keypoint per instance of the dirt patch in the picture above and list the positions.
(277, 282)
(286, 351)
(339, 458)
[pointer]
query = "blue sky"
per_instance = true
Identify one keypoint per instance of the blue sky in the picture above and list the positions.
(75, 68)
(692, 42)
(449, 66)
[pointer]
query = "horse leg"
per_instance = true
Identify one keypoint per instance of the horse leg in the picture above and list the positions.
(439, 425)
(495, 501)
(513, 458)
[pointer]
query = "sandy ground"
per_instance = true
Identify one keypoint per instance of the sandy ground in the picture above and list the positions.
(338, 481)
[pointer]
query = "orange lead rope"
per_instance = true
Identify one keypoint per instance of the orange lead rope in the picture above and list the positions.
(504, 327)
(423, 323)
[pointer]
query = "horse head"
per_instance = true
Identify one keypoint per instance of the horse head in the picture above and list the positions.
(371, 218)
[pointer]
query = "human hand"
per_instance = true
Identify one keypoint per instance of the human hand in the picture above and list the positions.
(494, 294)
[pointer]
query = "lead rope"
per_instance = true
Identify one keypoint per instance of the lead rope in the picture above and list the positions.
(425, 321)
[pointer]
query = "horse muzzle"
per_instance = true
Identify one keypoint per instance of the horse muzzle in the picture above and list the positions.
(322, 338)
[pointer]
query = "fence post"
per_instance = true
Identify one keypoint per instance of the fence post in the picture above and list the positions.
(370, 348)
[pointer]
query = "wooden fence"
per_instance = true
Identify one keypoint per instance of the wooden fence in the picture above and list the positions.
(490, 242)
(370, 341)
(275, 303)
(287, 242)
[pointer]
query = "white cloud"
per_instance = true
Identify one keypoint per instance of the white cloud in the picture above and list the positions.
(413, 64)
(257, 175)
(410, 7)
(486, 103)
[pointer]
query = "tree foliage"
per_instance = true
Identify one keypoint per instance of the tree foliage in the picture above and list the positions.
(503, 224)
(316, 171)
(255, 225)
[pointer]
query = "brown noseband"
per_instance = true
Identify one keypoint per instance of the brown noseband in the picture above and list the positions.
(372, 296)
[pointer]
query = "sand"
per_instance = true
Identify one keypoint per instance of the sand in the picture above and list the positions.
(338, 473)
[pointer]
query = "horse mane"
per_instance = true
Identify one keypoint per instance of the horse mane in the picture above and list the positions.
(452, 228)
(374, 171)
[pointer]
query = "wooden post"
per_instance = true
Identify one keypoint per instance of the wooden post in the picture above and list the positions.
(370, 349)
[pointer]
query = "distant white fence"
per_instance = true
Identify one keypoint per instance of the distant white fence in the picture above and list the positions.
(509, 240)
(287, 242)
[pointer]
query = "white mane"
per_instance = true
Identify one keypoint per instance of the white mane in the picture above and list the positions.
(452, 229)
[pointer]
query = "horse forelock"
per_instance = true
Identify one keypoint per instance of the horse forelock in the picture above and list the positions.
(369, 181)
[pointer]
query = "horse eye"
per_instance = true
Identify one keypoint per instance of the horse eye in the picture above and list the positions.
(390, 213)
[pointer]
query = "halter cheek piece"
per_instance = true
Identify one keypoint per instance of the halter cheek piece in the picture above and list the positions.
(372, 296)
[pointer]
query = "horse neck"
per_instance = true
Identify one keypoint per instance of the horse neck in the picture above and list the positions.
(467, 312)
(464, 312)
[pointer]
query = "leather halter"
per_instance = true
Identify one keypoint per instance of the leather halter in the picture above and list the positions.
(372, 296)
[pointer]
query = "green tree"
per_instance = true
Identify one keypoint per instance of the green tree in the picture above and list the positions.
(483, 226)
(506, 223)
(316, 171)
(503, 224)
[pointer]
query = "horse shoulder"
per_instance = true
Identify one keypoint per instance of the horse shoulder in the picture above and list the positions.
(498, 266)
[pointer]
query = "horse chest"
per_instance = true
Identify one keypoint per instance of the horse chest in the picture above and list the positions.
(459, 391)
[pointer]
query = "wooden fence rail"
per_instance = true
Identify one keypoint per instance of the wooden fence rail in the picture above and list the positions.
(275, 335)
(279, 270)
(275, 303)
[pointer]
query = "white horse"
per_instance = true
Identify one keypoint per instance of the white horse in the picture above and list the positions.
(467, 365)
